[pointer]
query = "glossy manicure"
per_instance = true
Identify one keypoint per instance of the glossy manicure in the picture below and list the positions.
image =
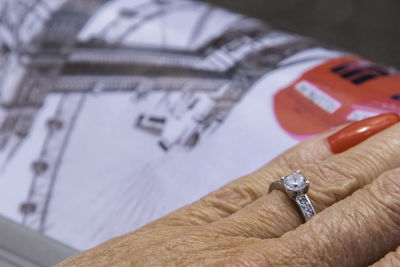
(359, 131)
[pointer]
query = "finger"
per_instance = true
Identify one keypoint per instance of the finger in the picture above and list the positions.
(226, 200)
(241, 192)
(330, 181)
(391, 259)
(354, 232)
(229, 198)
(161, 229)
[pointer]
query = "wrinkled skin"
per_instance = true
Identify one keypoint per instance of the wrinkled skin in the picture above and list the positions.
(356, 194)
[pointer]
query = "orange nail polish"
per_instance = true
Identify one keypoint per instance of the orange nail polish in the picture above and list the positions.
(359, 131)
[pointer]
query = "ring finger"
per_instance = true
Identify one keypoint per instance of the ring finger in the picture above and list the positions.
(331, 180)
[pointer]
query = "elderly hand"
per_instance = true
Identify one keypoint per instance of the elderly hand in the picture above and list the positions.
(355, 191)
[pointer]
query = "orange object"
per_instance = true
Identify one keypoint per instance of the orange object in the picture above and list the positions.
(341, 90)
(359, 131)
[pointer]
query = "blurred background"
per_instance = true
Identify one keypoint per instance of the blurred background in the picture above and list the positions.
(367, 27)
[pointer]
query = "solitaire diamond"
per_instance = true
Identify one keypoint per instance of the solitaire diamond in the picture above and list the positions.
(296, 185)
(295, 182)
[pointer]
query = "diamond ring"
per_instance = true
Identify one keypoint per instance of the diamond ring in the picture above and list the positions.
(296, 186)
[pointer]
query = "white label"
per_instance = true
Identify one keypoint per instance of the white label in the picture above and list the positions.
(318, 97)
(358, 115)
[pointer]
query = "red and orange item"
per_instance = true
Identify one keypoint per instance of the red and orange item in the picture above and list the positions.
(341, 90)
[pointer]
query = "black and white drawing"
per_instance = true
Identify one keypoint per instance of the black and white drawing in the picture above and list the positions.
(101, 100)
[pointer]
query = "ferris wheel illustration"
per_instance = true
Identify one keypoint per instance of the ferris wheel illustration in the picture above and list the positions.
(77, 48)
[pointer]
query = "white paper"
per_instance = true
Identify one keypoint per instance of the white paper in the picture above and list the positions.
(96, 97)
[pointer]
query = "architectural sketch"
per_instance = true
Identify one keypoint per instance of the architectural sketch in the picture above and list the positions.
(59, 47)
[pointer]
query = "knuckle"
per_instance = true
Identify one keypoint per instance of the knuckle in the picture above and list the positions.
(231, 198)
(290, 159)
(298, 253)
(340, 176)
(331, 181)
(387, 195)
(330, 173)
(391, 182)
(368, 163)
(324, 227)
(388, 146)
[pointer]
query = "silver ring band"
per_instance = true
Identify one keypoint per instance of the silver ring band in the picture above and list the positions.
(296, 185)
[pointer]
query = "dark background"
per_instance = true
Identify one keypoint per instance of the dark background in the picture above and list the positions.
(370, 28)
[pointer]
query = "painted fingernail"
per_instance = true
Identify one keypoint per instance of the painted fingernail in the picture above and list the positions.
(359, 131)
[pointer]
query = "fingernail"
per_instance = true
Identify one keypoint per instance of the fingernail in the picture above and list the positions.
(359, 131)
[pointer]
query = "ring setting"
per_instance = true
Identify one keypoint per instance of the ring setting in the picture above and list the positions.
(296, 185)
